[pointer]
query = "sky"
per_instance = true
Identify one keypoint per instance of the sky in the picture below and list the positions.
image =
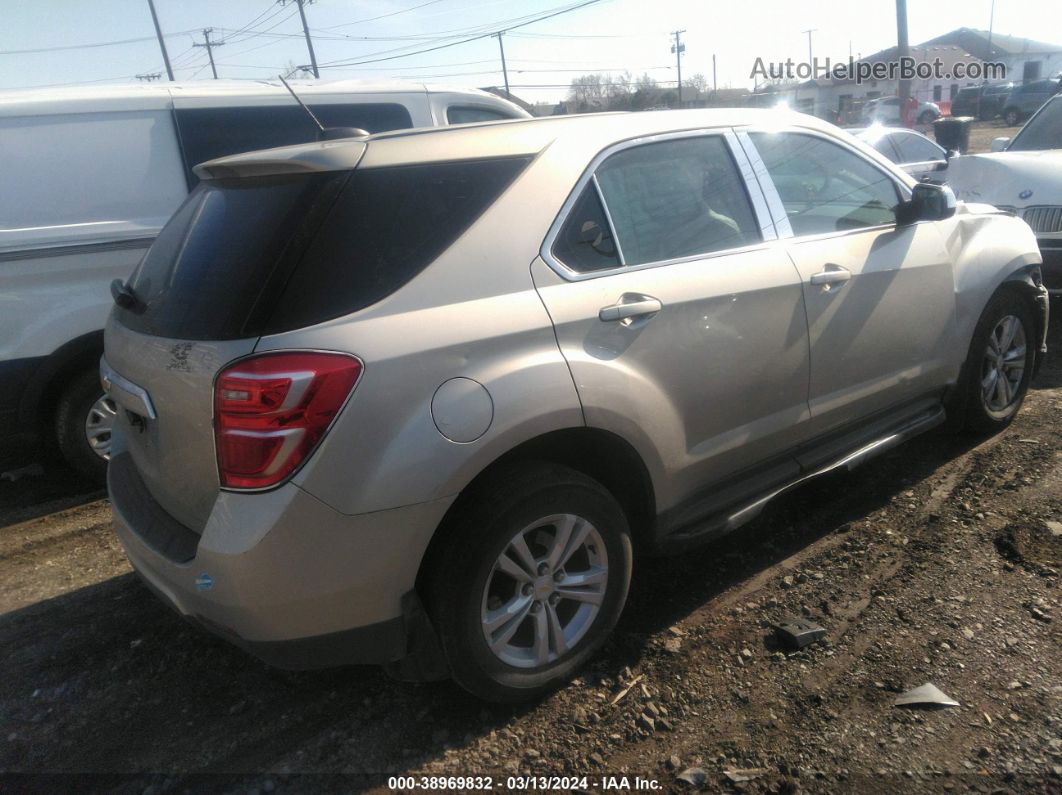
(41, 40)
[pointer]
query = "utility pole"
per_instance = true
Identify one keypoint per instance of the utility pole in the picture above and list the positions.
(306, 33)
(991, 21)
(903, 48)
(678, 48)
(210, 45)
(715, 85)
(811, 60)
(505, 70)
(162, 42)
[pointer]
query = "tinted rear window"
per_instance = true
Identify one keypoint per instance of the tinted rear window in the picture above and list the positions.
(246, 257)
(226, 248)
(206, 133)
(387, 226)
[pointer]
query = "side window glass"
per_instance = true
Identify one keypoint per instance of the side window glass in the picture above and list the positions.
(585, 241)
(825, 187)
(885, 147)
(676, 199)
(915, 149)
(460, 115)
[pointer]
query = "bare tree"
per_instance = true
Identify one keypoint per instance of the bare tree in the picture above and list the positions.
(587, 92)
(698, 83)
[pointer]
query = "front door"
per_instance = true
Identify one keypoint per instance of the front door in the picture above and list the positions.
(880, 298)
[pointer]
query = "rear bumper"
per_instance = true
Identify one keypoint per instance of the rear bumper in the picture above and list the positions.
(281, 574)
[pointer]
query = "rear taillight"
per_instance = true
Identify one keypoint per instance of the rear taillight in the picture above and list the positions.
(270, 411)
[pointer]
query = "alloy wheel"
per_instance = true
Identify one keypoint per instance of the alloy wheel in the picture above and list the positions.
(1003, 366)
(544, 591)
(98, 426)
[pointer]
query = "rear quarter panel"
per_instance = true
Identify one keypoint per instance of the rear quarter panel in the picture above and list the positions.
(474, 314)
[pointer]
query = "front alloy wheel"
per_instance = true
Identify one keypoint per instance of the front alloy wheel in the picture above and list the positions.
(995, 377)
(1003, 368)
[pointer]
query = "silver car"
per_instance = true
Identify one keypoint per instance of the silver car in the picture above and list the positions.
(418, 399)
(910, 150)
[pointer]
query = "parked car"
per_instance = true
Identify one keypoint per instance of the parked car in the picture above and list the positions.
(887, 111)
(1023, 176)
(910, 150)
(419, 398)
(1025, 98)
(91, 175)
(984, 101)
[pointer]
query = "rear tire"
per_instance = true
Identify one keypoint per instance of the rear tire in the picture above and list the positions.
(998, 368)
(517, 622)
(83, 416)
(927, 117)
(1012, 117)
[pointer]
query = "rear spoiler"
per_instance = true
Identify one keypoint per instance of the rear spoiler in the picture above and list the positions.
(336, 155)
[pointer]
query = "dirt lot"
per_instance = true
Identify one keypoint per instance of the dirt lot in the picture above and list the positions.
(935, 563)
(938, 562)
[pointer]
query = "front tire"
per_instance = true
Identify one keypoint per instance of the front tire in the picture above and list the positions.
(927, 117)
(1012, 117)
(998, 366)
(531, 580)
(84, 418)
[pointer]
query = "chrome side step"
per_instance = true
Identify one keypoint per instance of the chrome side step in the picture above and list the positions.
(734, 518)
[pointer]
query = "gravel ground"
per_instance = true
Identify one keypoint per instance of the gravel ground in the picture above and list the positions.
(938, 562)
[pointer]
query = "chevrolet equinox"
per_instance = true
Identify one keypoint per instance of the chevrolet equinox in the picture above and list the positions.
(418, 398)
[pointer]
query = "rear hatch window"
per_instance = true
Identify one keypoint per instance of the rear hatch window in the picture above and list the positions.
(247, 257)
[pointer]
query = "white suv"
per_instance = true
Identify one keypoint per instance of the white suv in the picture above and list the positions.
(89, 178)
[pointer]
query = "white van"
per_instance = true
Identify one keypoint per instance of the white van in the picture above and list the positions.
(89, 178)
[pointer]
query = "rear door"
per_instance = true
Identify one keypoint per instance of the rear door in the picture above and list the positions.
(680, 317)
(880, 298)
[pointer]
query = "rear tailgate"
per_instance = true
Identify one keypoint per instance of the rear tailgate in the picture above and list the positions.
(165, 390)
(199, 300)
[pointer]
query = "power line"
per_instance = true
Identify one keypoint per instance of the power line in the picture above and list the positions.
(486, 29)
(383, 16)
(93, 44)
(485, 35)
(256, 34)
(271, 7)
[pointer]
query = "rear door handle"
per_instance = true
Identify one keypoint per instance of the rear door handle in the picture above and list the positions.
(834, 274)
(627, 310)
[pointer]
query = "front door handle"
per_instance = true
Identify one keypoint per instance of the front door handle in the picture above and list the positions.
(627, 310)
(834, 274)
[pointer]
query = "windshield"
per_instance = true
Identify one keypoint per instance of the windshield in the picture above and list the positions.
(1043, 131)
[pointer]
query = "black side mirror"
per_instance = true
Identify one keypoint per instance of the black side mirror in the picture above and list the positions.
(928, 202)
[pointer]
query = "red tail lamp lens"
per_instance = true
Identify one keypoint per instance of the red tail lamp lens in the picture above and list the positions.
(270, 411)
